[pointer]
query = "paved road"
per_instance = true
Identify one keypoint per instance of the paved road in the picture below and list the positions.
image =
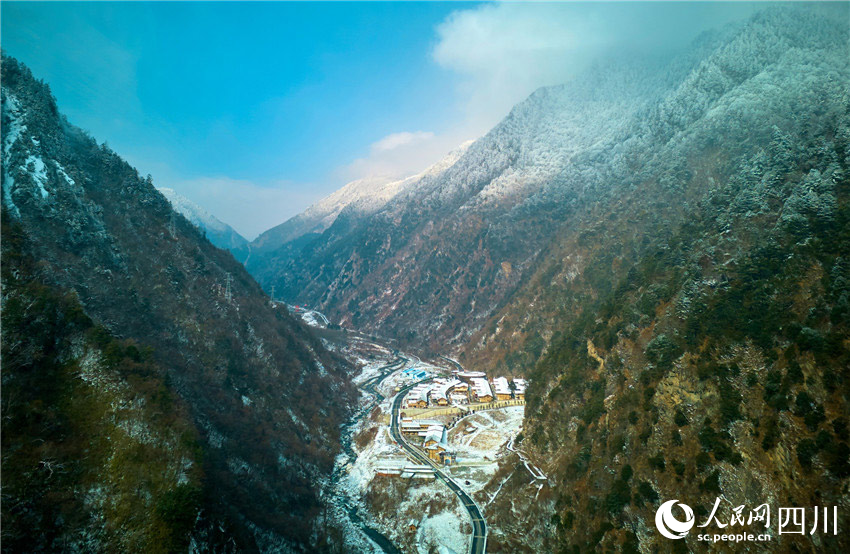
(479, 526)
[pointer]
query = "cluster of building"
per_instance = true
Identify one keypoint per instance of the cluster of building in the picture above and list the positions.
(497, 389)
(433, 437)
(463, 387)
(437, 393)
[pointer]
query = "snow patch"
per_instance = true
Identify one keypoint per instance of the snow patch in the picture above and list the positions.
(39, 173)
(61, 171)
(14, 129)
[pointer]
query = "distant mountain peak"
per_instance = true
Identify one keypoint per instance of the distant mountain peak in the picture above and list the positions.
(363, 196)
(218, 232)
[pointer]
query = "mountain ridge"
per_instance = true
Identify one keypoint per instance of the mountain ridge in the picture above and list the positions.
(248, 373)
(218, 232)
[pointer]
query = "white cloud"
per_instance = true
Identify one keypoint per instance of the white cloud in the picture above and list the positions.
(400, 155)
(501, 53)
(396, 140)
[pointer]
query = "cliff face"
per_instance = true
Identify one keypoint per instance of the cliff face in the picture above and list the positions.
(259, 392)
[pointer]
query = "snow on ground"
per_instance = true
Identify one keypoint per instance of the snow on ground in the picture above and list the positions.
(380, 450)
(449, 528)
(13, 129)
(314, 319)
(39, 173)
(370, 368)
(480, 441)
(442, 523)
(367, 356)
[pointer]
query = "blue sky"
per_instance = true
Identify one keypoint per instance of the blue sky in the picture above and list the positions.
(256, 110)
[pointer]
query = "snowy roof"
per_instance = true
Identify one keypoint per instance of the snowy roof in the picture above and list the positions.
(442, 388)
(472, 374)
(435, 433)
(419, 392)
(500, 384)
(520, 385)
(418, 424)
(482, 387)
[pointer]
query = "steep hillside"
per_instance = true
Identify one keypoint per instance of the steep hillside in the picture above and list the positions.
(157, 337)
(718, 365)
(217, 232)
(98, 452)
(783, 71)
(693, 328)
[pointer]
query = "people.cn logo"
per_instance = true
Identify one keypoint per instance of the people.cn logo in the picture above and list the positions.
(667, 523)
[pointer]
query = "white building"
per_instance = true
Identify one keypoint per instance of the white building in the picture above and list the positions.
(481, 389)
(501, 388)
(519, 387)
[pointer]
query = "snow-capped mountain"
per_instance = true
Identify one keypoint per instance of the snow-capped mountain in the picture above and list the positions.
(358, 198)
(438, 258)
(218, 232)
(661, 247)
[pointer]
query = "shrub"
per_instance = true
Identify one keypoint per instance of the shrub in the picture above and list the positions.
(676, 438)
(806, 451)
(703, 460)
(619, 497)
(839, 425)
(775, 391)
(662, 351)
(837, 457)
(646, 492)
(711, 483)
(657, 462)
(771, 435)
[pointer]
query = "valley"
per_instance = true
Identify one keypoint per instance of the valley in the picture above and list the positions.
(632, 287)
(382, 450)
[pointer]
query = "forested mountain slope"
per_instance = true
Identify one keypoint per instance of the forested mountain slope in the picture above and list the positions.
(693, 325)
(662, 249)
(151, 394)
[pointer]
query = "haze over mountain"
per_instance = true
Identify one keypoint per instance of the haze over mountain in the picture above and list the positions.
(218, 232)
(356, 199)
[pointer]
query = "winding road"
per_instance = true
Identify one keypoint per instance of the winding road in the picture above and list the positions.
(479, 526)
